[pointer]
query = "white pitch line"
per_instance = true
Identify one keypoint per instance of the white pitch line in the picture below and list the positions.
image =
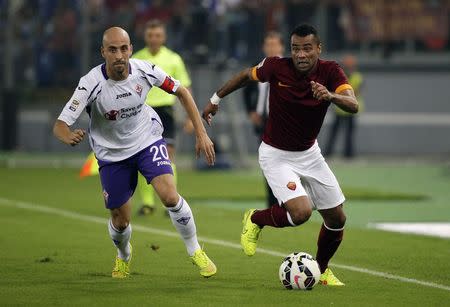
(99, 220)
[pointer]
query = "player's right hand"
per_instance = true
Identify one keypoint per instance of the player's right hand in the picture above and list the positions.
(209, 111)
(206, 146)
(76, 136)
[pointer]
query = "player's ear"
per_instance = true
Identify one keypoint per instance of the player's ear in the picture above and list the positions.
(102, 51)
(131, 49)
(319, 47)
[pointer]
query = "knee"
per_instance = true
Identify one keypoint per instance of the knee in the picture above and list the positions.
(300, 215)
(337, 221)
(170, 199)
(120, 222)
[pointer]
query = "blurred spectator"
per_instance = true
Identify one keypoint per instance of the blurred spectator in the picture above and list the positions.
(256, 98)
(343, 120)
(49, 39)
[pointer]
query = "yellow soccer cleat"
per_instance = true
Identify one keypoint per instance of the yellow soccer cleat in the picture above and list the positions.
(121, 267)
(250, 233)
(328, 279)
(206, 266)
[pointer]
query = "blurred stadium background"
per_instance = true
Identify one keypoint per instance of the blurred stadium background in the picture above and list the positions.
(401, 172)
(403, 49)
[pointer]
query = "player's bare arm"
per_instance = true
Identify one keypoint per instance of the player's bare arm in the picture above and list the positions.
(345, 100)
(203, 142)
(236, 82)
(62, 131)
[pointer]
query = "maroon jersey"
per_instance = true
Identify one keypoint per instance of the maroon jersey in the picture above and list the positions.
(295, 116)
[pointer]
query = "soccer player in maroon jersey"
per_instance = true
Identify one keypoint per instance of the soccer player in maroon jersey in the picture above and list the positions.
(302, 87)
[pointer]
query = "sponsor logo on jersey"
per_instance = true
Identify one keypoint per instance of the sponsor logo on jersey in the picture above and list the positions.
(168, 85)
(138, 89)
(74, 105)
(184, 220)
(123, 95)
(112, 115)
(123, 113)
(163, 163)
(291, 185)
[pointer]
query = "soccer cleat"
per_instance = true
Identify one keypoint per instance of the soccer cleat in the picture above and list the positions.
(250, 233)
(121, 267)
(328, 279)
(207, 267)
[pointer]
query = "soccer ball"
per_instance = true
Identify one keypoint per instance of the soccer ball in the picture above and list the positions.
(299, 271)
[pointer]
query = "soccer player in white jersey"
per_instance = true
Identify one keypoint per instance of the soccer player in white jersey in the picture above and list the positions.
(126, 137)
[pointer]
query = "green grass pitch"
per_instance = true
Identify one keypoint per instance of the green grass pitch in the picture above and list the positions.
(55, 249)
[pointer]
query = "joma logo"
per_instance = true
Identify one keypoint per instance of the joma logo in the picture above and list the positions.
(123, 95)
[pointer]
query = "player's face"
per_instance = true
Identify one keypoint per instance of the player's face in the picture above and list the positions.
(305, 52)
(273, 47)
(155, 38)
(116, 53)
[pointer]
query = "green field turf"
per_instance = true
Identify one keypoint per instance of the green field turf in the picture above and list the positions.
(56, 249)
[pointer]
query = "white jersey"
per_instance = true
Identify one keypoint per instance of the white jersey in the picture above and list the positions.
(121, 123)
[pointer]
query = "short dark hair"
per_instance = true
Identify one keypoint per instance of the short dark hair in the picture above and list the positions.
(154, 23)
(305, 30)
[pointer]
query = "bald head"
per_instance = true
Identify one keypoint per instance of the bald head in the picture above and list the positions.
(116, 50)
(115, 34)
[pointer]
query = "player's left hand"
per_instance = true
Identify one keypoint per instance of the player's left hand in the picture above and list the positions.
(205, 145)
(320, 92)
(209, 111)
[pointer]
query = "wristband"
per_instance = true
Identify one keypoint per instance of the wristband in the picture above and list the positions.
(215, 99)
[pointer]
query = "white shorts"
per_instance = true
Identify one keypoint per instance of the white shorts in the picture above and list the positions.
(292, 174)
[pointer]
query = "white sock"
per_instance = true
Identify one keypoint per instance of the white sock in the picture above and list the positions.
(121, 240)
(183, 220)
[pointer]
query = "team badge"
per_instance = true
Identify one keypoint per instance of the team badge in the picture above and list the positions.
(291, 185)
(105, 195)
(138, 89)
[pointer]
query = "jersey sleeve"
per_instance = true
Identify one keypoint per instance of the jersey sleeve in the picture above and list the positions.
(158, 77)
(79, 100)
(338, 80)
(181, 73)
(264, 70)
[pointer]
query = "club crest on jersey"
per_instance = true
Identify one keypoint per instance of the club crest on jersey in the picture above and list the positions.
(112, 115)
(138, 89)
(291, 185)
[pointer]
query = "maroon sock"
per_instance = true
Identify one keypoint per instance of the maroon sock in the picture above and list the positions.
(327, 244)
(274, 216)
